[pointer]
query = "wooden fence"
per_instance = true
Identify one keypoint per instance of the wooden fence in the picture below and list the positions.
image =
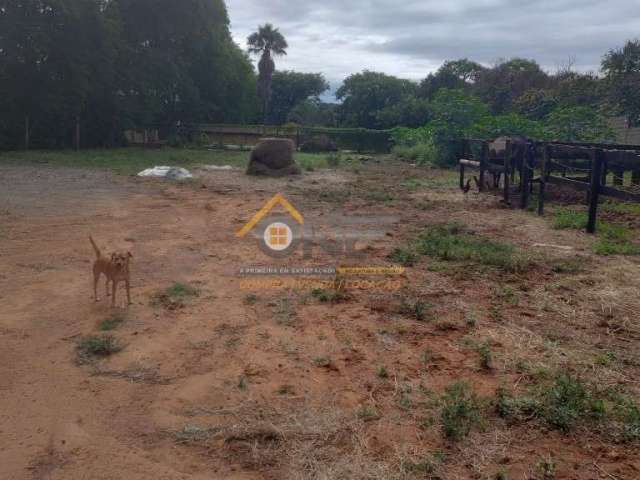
(597, 169)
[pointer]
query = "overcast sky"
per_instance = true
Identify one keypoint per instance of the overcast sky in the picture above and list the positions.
(410, 38)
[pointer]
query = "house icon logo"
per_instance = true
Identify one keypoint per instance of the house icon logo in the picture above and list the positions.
(275, 236)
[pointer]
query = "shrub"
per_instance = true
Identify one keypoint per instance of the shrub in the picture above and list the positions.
(98, 346)
(460, 411)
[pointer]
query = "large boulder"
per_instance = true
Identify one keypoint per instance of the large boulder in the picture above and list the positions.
(273, 157)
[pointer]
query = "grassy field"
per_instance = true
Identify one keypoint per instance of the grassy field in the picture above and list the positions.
(130, 161)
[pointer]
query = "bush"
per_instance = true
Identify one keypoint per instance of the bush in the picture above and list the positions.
(460, 411)
(98, 346)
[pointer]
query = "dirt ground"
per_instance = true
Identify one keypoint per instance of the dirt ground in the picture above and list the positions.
(243, 385)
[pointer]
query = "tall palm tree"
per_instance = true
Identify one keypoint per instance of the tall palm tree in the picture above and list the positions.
(267, 42)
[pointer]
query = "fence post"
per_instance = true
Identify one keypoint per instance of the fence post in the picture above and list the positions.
(484, 155)
(507, 172)
(525, 176)
(77, 135)
(543, 179)
(26, 132)
(594, 190)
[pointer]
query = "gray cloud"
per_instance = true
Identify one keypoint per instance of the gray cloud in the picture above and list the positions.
(414, 37)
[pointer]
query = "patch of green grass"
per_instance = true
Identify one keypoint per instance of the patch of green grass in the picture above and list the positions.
(486, 358)
(622, 207)
(182, 290)
(98, 346)
(329, 295)
(111, 323)
(547, 468)
(130, 161)
(284, 312)
(460, 411)
(382, 373)
(193, 433)
(418, 309)
(251, 299)
(566, 401)
(453, 242)
(367, 413)
(286, 390)
(429, 466)
(570, 219)
(612, 239)
(322, 362)
(378, 196)
(176, 296)
(334, 159)
(404, 257)
(569, 265)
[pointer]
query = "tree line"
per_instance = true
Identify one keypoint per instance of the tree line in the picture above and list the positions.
(100, 67)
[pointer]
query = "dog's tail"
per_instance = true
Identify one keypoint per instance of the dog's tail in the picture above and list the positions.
(95, 247)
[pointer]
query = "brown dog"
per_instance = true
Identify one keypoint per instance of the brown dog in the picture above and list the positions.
(116, 269)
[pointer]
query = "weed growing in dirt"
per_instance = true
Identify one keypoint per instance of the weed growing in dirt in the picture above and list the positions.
(251, 299)
(322, 362)
(404, 257)
(284, 312)
(431, 466)
(417, 309)
(569, 265)
(460, 411)
(367, 413)
(329, 296)
(176, 296)
(453, 242)
(193, 434)
(486, 359)
(242, 383)
(286, 390)
(334, 160)
(379, 196)
(98, 346)
(547, 468)
(111, 323)
(567, 402)
(382, 373)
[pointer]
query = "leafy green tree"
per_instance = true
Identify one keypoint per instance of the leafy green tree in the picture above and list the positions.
(410, 111)
(267, 42)
(578, 124)
(622, 70)
(455, 113)
(313, 112)
(291, 88)
(453, 74)
(501, 85)
(364, 95)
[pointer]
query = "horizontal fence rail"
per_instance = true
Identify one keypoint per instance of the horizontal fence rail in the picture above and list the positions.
(585, 167)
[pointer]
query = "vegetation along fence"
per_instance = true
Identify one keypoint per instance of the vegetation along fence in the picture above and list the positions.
(598, 169)
(246, 136)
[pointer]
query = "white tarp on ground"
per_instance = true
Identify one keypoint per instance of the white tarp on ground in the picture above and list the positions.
(172, 173)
